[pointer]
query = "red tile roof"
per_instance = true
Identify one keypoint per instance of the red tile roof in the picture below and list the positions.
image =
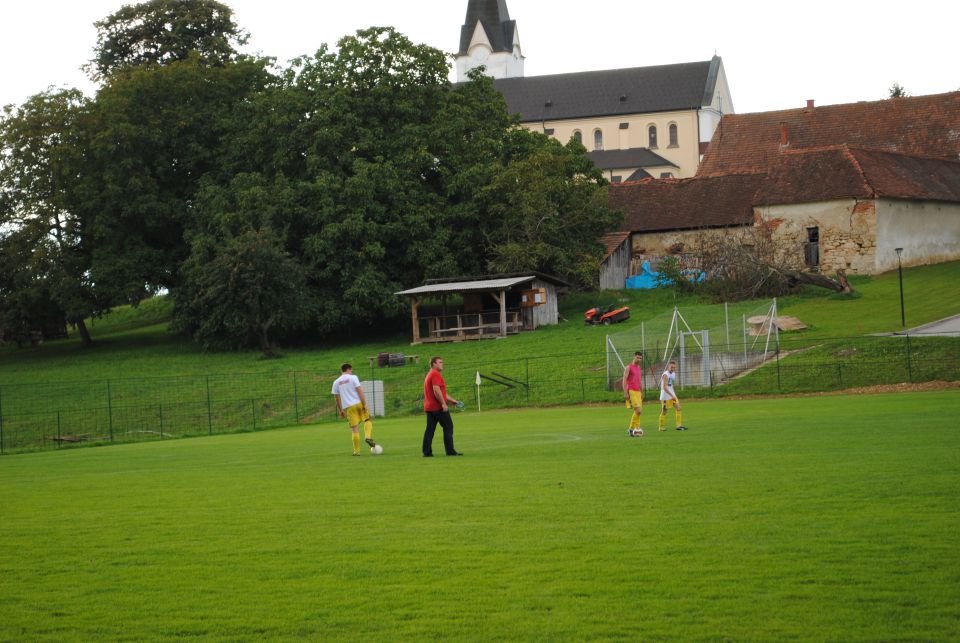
(686, 204)
(802, 176)
(751, 143)
(611, 241)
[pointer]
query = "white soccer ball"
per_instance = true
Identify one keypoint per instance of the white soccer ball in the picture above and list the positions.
(637, 433)
(377, 450)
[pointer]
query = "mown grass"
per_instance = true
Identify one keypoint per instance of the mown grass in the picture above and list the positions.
(141, 381)
(833, 518)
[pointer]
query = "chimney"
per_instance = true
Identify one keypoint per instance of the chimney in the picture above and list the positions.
(809, 103)
(784, 135)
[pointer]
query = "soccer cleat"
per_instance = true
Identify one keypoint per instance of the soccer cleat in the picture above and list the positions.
(356, 454)
(370, 442)
(681, 428)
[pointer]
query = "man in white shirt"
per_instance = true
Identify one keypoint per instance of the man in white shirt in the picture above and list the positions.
(353, 405)
(668, 397)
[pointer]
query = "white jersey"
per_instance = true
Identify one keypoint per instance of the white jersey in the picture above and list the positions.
(346, 387)
(666, 391)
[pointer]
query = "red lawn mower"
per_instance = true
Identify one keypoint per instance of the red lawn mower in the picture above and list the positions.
(604, 316)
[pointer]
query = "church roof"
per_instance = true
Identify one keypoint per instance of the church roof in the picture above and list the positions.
(633, 157)
(637, 90)
(928, 125)
(493, 15)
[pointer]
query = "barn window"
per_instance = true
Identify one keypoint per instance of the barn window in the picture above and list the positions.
(578, 136)
(652, 135)
(673, 135)
(597, 140)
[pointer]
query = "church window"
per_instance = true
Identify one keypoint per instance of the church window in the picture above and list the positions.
(578, 136)
(598, 139)
(652, 135)
(674, 138)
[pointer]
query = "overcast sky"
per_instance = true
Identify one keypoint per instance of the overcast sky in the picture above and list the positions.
(776, 54)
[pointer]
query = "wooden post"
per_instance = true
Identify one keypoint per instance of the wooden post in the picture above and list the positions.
(503, 313)
(414, 304)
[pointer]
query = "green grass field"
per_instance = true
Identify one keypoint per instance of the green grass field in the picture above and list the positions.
(827, 518)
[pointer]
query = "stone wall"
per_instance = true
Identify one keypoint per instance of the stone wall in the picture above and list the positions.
(847, 230)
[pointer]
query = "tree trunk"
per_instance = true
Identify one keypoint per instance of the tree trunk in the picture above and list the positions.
(265, 345)
(837, 285)
(84, 333)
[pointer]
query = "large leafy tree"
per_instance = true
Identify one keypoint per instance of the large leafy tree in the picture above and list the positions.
(153, 134)
(44, 233)
(547, 208)
(159, 32)
(240, 285)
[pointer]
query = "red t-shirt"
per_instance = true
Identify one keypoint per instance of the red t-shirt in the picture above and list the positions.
(430, 402)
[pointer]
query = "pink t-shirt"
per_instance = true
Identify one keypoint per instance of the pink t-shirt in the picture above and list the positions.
(634, 377)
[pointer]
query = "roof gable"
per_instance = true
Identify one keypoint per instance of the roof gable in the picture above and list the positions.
(928, 125)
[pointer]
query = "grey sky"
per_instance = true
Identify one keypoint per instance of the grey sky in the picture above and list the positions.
(776, 54)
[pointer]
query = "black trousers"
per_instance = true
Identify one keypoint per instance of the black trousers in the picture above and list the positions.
(444, 420)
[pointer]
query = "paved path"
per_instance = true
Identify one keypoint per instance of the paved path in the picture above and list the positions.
(949, 326)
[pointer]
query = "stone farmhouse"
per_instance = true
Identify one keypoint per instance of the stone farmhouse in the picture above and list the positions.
(843, 185)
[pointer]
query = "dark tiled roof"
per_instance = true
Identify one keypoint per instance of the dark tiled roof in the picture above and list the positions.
(639, 90)
(495, 18)
(803, 176)
(928, 125)
(639, 175)
(686, 204)
(633, 157)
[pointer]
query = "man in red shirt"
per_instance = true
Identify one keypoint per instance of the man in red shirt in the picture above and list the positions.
(435, 400)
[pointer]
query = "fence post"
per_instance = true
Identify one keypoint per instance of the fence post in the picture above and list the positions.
(59, 441)
(909, 360)
(296, 400)
(779, 387)
(840, 374)
(253, 410)
(583, 392)
(528, 381)
(209, 408)
(161, 421)
(110, 410)
(1, 422)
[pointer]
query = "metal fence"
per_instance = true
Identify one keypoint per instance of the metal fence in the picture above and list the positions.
(67, 414)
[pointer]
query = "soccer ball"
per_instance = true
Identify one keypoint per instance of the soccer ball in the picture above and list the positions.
(377, 450)
(636, 433)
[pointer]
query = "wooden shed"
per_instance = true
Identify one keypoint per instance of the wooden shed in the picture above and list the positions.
(487, 307)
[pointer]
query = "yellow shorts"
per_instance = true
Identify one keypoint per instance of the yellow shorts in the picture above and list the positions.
(636, 400)
(666, 404)
(357, 414)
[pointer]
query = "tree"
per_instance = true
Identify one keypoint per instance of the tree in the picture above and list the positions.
(153, 134)
(548, 208)
(42, 152)
(897, 91)
(242, 288)
(159, 32)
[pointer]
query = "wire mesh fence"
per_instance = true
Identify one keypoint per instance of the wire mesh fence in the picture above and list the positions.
(58, 415)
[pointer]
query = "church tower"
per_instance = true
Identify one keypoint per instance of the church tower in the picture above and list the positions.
(489, 38)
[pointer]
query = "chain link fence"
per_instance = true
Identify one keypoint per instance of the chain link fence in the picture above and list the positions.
(65, 414)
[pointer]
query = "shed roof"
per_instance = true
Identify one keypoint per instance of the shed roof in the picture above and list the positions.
(475, 285)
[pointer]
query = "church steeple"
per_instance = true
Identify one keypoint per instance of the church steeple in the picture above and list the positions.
(489, 38)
